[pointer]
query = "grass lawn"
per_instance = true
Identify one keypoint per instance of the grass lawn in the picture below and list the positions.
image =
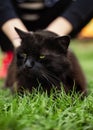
(37, 111)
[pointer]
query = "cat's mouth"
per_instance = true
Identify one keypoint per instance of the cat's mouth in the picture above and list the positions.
(31, 72)
(41, 73)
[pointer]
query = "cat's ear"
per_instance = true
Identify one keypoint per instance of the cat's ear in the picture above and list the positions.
(63, 41)
(22, 34)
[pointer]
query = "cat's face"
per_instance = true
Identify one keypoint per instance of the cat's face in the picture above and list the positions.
(42, 55)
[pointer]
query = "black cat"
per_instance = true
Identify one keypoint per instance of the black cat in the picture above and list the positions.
(44, 58)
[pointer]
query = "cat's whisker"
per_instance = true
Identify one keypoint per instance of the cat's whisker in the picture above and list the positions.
(53, 81)
(53, 76)
(50, 78)
(45, 77)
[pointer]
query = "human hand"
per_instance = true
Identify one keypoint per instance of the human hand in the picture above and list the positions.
(16, 42)
(8, 29)
(61, 26)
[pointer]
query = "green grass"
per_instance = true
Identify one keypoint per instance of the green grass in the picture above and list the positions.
(37, 111)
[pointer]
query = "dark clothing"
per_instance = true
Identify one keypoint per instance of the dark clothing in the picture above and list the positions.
(5, 43)
(46, 14)
(78, 12)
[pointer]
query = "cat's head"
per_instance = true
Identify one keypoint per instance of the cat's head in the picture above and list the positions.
(42, 54)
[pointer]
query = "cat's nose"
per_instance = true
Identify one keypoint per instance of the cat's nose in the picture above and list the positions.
(29, 64)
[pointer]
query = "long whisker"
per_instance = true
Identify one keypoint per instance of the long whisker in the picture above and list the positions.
(52, 80)
(50, 77)
(46, 77)
(53, 76)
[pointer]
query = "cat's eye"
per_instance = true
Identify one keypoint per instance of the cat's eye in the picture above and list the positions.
(42, 57)
(22, 56)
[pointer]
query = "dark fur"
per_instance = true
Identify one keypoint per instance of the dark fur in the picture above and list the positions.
(44, 58)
